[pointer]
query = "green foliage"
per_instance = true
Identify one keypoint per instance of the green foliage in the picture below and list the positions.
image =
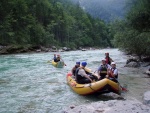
(48, 23)
(133, 34)
(139, 16)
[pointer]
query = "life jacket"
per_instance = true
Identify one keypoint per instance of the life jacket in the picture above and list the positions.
(77, 76)
(108, 60)
(74, 70)
(57, 59)
(116, 76)
(103, 71)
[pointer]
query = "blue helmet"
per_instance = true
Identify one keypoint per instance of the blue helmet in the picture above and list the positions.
(84, 64)
(78, 63)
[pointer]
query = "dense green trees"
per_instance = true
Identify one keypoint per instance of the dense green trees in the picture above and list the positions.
(133, 33)
(61, 23)
(49, 22)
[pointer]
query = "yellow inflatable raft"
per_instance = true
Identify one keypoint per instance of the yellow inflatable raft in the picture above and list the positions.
(102, 86)
(59, 64)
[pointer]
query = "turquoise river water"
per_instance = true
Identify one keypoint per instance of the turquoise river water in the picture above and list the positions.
(29, 84)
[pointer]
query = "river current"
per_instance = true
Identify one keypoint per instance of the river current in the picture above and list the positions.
(30, 84)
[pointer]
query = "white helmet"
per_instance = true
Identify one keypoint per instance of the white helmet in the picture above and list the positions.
(113, 63)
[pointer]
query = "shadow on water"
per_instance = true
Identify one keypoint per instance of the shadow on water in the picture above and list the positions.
(105, 97)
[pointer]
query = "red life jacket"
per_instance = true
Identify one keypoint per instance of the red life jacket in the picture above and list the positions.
(108, 60)
(116, 76)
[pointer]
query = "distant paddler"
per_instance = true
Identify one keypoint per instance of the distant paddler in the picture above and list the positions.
(56, 58)
(108, 59)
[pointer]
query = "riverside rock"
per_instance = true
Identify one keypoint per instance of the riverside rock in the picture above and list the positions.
(112, 106)
(146, 98)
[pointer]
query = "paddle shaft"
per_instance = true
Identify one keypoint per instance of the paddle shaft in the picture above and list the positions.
(124, 89)
(63, 61)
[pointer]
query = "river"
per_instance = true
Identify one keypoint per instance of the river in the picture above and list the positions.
(28, 83)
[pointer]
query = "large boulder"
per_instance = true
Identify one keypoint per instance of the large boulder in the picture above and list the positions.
(132, 59)
(66, 49)
(13, 49)
(146, 98)
(148, 72)
(44, 49)
(3, 51)
(133, 64)
(54, 47)
(112, 106)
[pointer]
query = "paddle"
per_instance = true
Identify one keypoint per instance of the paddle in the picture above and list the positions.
(63, 61)
(98, 77)
(93, 73)
(49, 61)
(122, 88)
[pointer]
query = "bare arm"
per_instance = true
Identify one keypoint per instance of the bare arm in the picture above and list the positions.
(73, 69)
(110, 73)
(82, 72)
(111, 59)
(86, 76)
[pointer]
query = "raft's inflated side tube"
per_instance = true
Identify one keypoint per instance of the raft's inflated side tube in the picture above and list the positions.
(95, 87)
(88, 69)
(59, 64)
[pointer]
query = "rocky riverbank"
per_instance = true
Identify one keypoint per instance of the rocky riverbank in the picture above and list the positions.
(143, 63)
(113, 106)
(13, 49)
(119, 104)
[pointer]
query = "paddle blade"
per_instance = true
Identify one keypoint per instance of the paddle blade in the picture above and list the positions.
(123, 89)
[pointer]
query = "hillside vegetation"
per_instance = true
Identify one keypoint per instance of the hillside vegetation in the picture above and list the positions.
(133, 33)
(48, 23)
(61, 23)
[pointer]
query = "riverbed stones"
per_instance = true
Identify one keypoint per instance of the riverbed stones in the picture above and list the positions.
(112, 106)
(148, 72)
(146, 98)
(133, 64)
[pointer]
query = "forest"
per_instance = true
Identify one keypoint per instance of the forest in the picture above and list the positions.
(50, 23)
(132, 34)
(62, 23)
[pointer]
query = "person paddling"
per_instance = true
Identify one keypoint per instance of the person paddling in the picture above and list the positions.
(108, 59)
(74, 68)
(56, 59)
(113, 72)
(102, 70)
(81, 76)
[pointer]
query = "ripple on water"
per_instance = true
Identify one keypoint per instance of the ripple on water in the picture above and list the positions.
(25, 88)
(29, 84)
